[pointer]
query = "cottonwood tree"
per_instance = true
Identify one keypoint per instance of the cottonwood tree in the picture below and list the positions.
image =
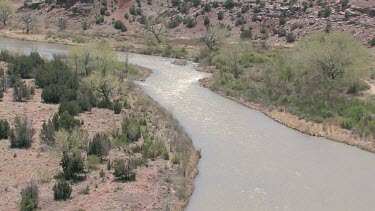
(215, 36)
(156, 25)
(102, 79)
(330, 61)
(29, 22)
(231, 55)
(6, 11)
(81, 58)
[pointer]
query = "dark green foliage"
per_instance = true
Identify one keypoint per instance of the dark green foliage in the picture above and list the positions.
(184, 8)
(46, 135)
(176, 3)
(131, 129)
(240, 21)
(123, 170)
(206, 21)
(21, 136)
(119, 25)
(65, 121)
(220, 15)
(30, 197)
(72, 165)
(57, 80)
(282, 20)
(247, 34)
(290, 37)
(72, 107)
(245, 9)
(196, 3)
(229, 4)
(21, 91)
(175, 21)
(151, 149)
(4, 129)
(53, 93)
(327, 11)
(344, 3)
(117, 107)
(62, 191)
(99, 19)
(99, 146)
(207, 8)
(24, 65)
(372, 42)
(190, 22)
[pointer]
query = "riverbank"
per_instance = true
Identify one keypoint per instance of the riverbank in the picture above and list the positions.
(326, 130)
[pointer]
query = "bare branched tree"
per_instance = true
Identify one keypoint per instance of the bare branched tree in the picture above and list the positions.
(29, 21)
(156, 24)
(6, 11)
(215, 36)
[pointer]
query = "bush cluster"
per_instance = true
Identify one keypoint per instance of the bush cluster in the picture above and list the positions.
(62, 191)
(4, 129)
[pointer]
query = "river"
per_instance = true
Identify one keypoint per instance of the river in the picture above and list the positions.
(249, 161)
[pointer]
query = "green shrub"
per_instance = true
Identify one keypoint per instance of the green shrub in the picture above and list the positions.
(30, 197)
(117, 107)
(372, 42)
(123, 171)
(190, 22)
(4, 129)
(21, 136)
(176, 160)
(99, 146)
(196, 3)
(93, 161)
(344, 3)
(72, 165)
(24, 65)
(176, 3)
(47, 133)
(175, 21)
(184, 8)
(65, 121)
(241, 21)
(99, 19)
(290, 37)
(62, 191)
(119, 25)
(206, 21)
(247, 34)
(347, 123)
(72, 107)
(229, 4)
(220, 15)
(131, 129)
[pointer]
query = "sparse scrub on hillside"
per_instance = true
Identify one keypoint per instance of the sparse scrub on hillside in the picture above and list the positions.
(21, 135)
(29, 197)
(293, 81)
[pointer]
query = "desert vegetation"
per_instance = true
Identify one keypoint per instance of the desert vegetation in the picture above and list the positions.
(314, 80)
(90, 80)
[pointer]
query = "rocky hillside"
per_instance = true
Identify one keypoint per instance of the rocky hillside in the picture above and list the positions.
(272, 20)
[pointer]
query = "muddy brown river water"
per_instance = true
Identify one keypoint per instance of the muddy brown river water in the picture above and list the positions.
(249, 162)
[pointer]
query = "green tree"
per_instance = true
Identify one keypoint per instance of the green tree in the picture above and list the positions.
(6, 11)
(328, 61)
(215, 36)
